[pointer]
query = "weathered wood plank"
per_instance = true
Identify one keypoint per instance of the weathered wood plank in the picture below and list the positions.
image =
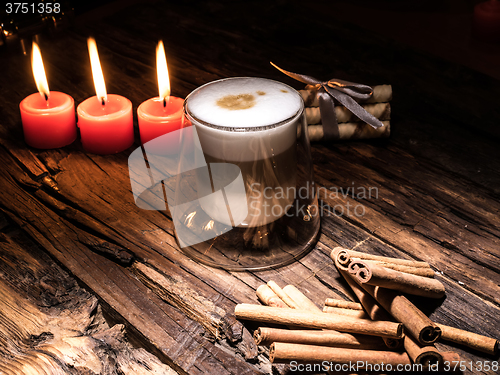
(454, 310)
(94, 212)
(49, 325)
(160, 324)
(415, 215)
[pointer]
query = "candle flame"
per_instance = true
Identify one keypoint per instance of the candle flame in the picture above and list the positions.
(100, 86)
(162, 71)
(39, 72)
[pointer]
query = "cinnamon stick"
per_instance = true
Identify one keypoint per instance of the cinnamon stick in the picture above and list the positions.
(382, 111)
(393, 343)
(306, 304)
(360, 314)
(373, 274)
(345, 256)
(281, 294)
(370, 305)
(306, 319)
(268, 297)
(351, 130)
(266, 336)
(300, 299)
(332, 302)
(472, 340)
(341, 258)
(423, 355)
(414, 320)
(419, 271)
(286, 352)
(381, 93)
(451, 359)
(372, 308)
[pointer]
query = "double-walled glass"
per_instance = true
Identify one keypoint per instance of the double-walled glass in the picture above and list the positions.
(256, 204)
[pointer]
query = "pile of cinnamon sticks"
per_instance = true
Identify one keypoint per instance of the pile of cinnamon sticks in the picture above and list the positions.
(383, 327)
(350, 127)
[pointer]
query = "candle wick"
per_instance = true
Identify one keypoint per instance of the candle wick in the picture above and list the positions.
(103, 102)
(164, 102)
(46, 97)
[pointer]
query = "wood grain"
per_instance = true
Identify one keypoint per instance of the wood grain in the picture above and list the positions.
(55, 327)
(437, 176)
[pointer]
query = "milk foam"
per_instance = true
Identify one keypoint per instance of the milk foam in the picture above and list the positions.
(244, 102)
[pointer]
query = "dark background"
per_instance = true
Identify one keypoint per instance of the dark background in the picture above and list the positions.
(445, 81)
(438, 173)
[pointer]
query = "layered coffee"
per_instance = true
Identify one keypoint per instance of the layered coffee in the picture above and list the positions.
(252, 123)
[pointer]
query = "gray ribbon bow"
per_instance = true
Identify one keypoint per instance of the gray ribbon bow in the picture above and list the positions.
(344, 92)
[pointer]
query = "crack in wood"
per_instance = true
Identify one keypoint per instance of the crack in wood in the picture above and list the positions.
(179, 293)
(48, 325)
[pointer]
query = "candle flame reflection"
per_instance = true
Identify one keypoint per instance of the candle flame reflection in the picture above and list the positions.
(39, 72)
(162, 71)
(100, 86)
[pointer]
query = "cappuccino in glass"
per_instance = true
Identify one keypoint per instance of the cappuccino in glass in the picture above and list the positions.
(251, 123)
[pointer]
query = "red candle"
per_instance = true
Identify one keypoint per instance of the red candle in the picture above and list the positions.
(155, 119)
(48, 117)
(105, 121)
(163, 114)
(486, 21)
(108, 128)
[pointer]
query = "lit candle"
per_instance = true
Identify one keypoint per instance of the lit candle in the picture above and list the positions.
(163, 114)
(48, 117)
(105, 121)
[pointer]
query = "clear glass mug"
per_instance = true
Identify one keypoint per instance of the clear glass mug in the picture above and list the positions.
(273, 218)
(240, 192)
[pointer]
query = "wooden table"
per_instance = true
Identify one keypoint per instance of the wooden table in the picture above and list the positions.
(75, 248)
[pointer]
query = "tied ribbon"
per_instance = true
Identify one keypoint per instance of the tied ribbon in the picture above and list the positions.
(344, 92)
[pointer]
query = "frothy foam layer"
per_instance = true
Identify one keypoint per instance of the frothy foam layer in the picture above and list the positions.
(244, 102)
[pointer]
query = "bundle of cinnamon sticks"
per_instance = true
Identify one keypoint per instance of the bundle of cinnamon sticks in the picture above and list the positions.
(379, 283)
(383, 327)
(350, 127)
(313, 336)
